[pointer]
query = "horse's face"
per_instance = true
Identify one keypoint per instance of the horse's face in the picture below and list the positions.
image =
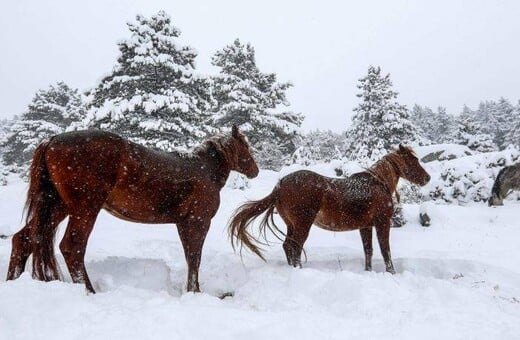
(246, 163)
(495, 200)
(412, 171)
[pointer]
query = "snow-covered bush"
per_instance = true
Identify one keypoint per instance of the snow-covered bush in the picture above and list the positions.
(238, 181)
(441, 152)
(468, 178)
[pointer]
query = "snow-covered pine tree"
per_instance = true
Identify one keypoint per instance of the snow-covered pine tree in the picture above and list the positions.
(469, 133)
(380, 123)
(5, 127)
(250, 99)
(51, 111)
(153, 95)
(505, 120)
(512, 136)
(446, 126)
(484, 115)
(319, 146)
(496, 119)
(425, 119)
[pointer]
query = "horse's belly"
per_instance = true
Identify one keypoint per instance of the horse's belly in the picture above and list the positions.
(138, 208)
(336, 223)
(135, 215)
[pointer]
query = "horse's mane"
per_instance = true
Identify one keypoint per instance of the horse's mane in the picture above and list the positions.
(222, 144)
(380, 168)
(391, 161)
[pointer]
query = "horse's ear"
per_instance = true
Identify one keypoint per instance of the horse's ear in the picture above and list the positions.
(401, 148)
(234, 131)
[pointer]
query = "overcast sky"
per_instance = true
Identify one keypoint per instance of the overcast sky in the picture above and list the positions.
(447, 53)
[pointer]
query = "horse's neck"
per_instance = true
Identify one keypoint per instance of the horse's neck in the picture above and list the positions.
(216, 166)
(386, 173)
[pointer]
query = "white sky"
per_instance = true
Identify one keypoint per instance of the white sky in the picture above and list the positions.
(446, 53)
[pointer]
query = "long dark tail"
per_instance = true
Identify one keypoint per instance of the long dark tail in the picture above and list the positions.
(245, 215)
(42, 197)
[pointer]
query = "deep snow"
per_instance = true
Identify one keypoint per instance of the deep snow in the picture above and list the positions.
(458, 279)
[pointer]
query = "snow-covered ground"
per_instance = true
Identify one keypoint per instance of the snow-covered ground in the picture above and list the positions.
(458, 279)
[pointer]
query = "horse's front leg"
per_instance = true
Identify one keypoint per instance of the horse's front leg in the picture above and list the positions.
(366, 238)
(192, 234)
(383, 236)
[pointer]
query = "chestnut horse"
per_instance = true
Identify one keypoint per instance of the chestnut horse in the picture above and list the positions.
(304, 198)
(77, 174)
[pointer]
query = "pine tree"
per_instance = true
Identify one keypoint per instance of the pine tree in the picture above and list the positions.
(446, 126)
(496, 119)
(153, 95)
(380, 123)
(51, 111)
(250, 99)
(469, 133)
(512, 136)
(426, 121)
(504, 115)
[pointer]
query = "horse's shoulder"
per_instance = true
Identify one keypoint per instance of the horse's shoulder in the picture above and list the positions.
(362, 178)
(364, 181)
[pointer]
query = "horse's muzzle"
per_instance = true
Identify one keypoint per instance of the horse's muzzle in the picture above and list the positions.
(495, 201)
(253, 173)
(427, 179)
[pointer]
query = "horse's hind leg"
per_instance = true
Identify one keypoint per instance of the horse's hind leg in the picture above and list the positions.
(383, 236)
(298, 227)
(21, 250)
(74, 244)
(21, 243)
(366, 238)
(293, 246)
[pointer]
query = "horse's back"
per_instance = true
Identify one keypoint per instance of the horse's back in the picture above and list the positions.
(303, 183)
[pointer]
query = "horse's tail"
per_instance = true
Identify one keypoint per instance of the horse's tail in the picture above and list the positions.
(42, 199)
(245, 215)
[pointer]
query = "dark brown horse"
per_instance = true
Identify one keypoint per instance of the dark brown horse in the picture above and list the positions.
(79, 173)
(304, 198)
(508, 180)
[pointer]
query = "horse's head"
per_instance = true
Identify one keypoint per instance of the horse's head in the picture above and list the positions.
(244, 161)
(410, 167)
